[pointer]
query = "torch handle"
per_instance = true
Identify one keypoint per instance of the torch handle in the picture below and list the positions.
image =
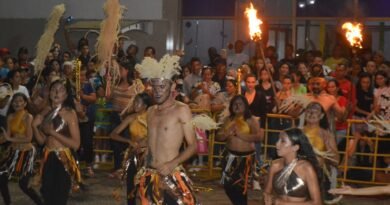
(239, 81)
(77, 71)
(269, 73)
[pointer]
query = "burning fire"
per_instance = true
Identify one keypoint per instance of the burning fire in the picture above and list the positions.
(353, 32)
(254, 23)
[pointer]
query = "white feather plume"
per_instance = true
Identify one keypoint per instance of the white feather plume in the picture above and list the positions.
(166, 68)
(379, 123)
(204, 122)
(46, 40)
(294, 101)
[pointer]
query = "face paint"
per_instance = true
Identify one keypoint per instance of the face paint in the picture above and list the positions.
(161, 90)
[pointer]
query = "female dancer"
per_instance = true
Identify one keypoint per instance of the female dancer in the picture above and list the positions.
(19, 161)
(316, 129)
(134, 155)
(240, 131)
(57, 128)
(365, 191)
(324, 144)
(123, 93)
(294, 178)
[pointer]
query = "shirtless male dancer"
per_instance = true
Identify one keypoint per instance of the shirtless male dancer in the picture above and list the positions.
(162, 180)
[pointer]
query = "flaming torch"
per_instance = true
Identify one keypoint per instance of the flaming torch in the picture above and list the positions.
(254, 23)
(255, 35)
(353, 33)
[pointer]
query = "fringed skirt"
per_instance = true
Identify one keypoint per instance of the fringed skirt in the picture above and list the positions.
(237, 168)
(18, 162)
(132, 157)
(176, 188)
(65, 156)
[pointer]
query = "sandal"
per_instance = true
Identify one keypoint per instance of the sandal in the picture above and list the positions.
(90, 172)
(116, 174)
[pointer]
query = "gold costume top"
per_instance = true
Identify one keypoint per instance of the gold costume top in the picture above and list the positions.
(138, 127)
(17, 125)
(314, 136)
(241, 125)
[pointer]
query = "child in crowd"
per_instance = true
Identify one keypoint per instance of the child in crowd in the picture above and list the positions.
(102, 124)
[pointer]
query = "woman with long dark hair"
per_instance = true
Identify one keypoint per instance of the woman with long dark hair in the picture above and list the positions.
(265, 86)
(240, 131)
(316, 129)
(283, 71)
(382, 109)
(19, 162)
(220, 104)
(296, 176)
(121, 95)
(56, 127)
(341, 123)
(134, 155)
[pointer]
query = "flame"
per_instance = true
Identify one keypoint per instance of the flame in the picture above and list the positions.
(353, 32)
(254, 23)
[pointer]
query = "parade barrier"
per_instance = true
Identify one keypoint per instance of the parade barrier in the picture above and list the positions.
(378, 175)
(211, 149)
(102, 140)
(204, 144)
(272, 128)
(215, 154)
(275, 123)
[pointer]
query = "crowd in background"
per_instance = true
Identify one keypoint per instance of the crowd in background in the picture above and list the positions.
(347, 85)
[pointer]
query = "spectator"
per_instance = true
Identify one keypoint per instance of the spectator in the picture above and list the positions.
(302, 68)
(289, 55)
(258, 65)
(214, 57)
(283, 70)
(150, 52)
(10, 63)
(131, 53)
(346, 87)
(297, 86)
(3, 70)
(238, 58)
(336, 58)
(341, 125)
(220, 74)
(265, 87)
(205, 90)
(325, 69)
(194, 77)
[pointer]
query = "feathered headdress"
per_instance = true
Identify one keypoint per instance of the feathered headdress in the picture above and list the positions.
(45, 42)
(204, 122)
(379, 123)
(165, 69)
(292, 102)
(109, 30)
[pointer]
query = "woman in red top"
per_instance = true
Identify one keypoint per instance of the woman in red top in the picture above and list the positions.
(341, 123)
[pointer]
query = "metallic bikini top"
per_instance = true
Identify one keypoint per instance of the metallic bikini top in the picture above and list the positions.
(59, 124)
(287, 183)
